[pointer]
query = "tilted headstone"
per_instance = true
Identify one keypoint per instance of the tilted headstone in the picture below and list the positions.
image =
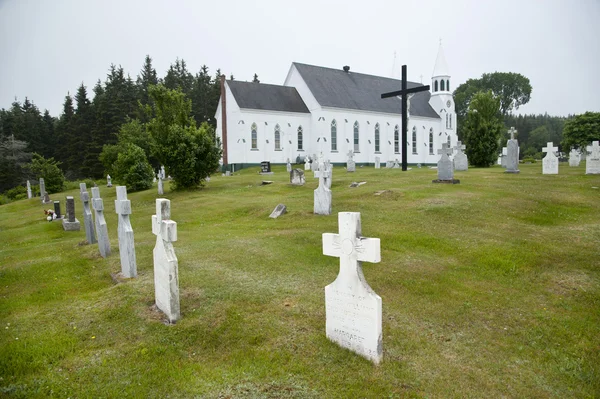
(108, 181)
(352, 309)
(88, 222)
(297, 177)
(125, 234)
(160, 185)
(445, 168)
(306, 163)
(166, 273)
(101, 227)
(70, 222)
(377, 163)
(278, 211)
(460, 160)
(503, 157)
(592, 160)
(550, 161)
(574, 157)
(322, 197)
(512, 153)
(29, 195)
(57, 210)
(350, 164)
(288, 166)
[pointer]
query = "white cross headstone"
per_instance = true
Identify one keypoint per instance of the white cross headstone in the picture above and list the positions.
(108, 181)
(592, 161)
(307, 163)
(512, 153)
(288, 166)
(574, 157)
(28, 190)
(350, 164)
(315, 163)
(326, 169)
(377, 163)
(550, 161)
(352, 308)
(460, 159)
(166, 273)
(445, 170)
(101, 227)
(88, 222)
(125, 231)
(322, 195)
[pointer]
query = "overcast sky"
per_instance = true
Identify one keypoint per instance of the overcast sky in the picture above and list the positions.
(47, 48)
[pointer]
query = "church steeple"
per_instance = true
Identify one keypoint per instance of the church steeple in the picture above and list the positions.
(440, 79)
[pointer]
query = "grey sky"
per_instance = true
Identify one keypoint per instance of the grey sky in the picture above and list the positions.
(48, 48)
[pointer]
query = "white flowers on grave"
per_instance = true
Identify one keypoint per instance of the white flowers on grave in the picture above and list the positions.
(50, 215)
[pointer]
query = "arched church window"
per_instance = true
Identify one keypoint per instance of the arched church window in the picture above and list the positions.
(397, 139)
(435, 86)
(377, 137)
(442, 85)
(333, 135)
(450, 122)
(253, 135)
(356, 137)
(449, 142)
(431, 141)
(448, 84)
(300, 138)
(414, 139)
(446, 121)
(277, 137)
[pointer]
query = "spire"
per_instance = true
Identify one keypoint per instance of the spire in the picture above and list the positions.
(395, 69)
(441, 68)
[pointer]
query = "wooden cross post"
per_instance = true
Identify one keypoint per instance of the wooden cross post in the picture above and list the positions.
(404, 94)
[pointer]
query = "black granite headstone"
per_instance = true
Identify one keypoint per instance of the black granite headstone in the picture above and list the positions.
(265, 167)
(57, 209)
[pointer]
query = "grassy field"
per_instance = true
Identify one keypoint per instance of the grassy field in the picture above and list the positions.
(490, 288)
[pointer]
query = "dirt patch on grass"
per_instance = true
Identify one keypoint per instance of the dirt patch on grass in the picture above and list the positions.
(572, 282)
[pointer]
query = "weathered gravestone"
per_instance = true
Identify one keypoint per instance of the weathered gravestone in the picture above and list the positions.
(101, 227)
(314, 166)
(512, 153)
(108, 181)
(377, 163)
(390, 164)
(288, 166)
(325, 169)
(57, 210)
(445, 169)
(461, 162)
(503, 157)
(70, 222)
(125, 231)
(166, 274)
(307, 163)
(352, 309)
(160, 185)
(162, 172)
(88, 223)
(550, 161)
(350, 164)
(297, 177)
(396, 164)
(574, 157)
(46, 199)
(592, 160)
(278, 211)
(43, 193)
(322, 197)
(29, 195)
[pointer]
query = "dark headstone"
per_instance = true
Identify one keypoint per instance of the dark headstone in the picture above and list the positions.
(57, 209)
(265, 167)
(70, 209)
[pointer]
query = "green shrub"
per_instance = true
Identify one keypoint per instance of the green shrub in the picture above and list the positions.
(74, 184)
(529, 160)
(133, 169)
(49, 170)
(16, 193)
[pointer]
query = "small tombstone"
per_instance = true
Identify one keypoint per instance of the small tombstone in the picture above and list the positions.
(461, 162)
(29, 195)
(162, 172)
(307, 163)
(46, 198)
(592, 160)
(57, 210)
(377, 163)
(350, 164)
(315, 163)
(512, 153)
(288, 166)
(357, 184)
(550, 161)
(265, 168)
(574, 157)
(297, 177)
(88, 222)
(125, 234)
(503, 157)
(101, 227)
(322, 197)
(353, 310)
(70, 222)
(278, 211)
(160, 185)
(43, 194)
(108, 181)
(389, 164)
(227, 173)
(325, 169)
(166, 274)
(445, 169)
(396, 164)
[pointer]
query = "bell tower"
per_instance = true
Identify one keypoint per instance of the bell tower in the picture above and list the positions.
(441, 96)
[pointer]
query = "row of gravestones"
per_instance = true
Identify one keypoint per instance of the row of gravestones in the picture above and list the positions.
(592, 164)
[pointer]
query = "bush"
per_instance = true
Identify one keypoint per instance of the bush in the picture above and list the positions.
(16, 193)
(74, 184)
(133, 169)
(529, 160)
(48, 170)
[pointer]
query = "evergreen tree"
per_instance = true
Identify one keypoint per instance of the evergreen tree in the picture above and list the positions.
(145, 79)
(83, 125)
(178, 77)
(201, 97)
(13, 157)
(483, 129)
(33, 126)
(48, 135)
(65, 135)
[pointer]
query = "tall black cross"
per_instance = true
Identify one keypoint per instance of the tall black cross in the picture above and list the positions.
(404, 93)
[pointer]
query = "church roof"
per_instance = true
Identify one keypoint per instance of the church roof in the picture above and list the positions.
(339, 89)
(440, 68)
(267, 97)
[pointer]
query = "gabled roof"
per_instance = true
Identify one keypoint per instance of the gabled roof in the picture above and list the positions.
(267, 97)
(339, 89)
(441, 67)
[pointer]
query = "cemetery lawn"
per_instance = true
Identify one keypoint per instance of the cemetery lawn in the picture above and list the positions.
(490, 288)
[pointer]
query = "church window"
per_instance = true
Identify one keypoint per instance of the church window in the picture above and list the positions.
(450, 122)
(377, 149)
(443, 85)
(449, 142)
(356, 138)
(277, 137)
(448, 85)
(446, 121)
(431, 141)
(414, 139)
(300, 141)
(435, 86)
(333, 135)
(253, 130)
(397, 140)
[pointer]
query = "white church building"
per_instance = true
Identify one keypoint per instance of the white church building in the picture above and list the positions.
(333, 111)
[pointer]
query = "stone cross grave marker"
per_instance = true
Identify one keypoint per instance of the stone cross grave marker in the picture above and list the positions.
(101, 227)
(350, 164)
(377, 163)
(445, 169)
(28, 190)
(460, 160)
(325, 169)
(396, 164)
(307, 163)
(512, 153)
(125, 234)
(88, 222)
(70, 222)
(550, 161)
(322, 196)
(108, 181)
(352, 308)
(288, 166)
(160, 184)
(166, 274)
(592, 161)
(574, 157)
(297, 177)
